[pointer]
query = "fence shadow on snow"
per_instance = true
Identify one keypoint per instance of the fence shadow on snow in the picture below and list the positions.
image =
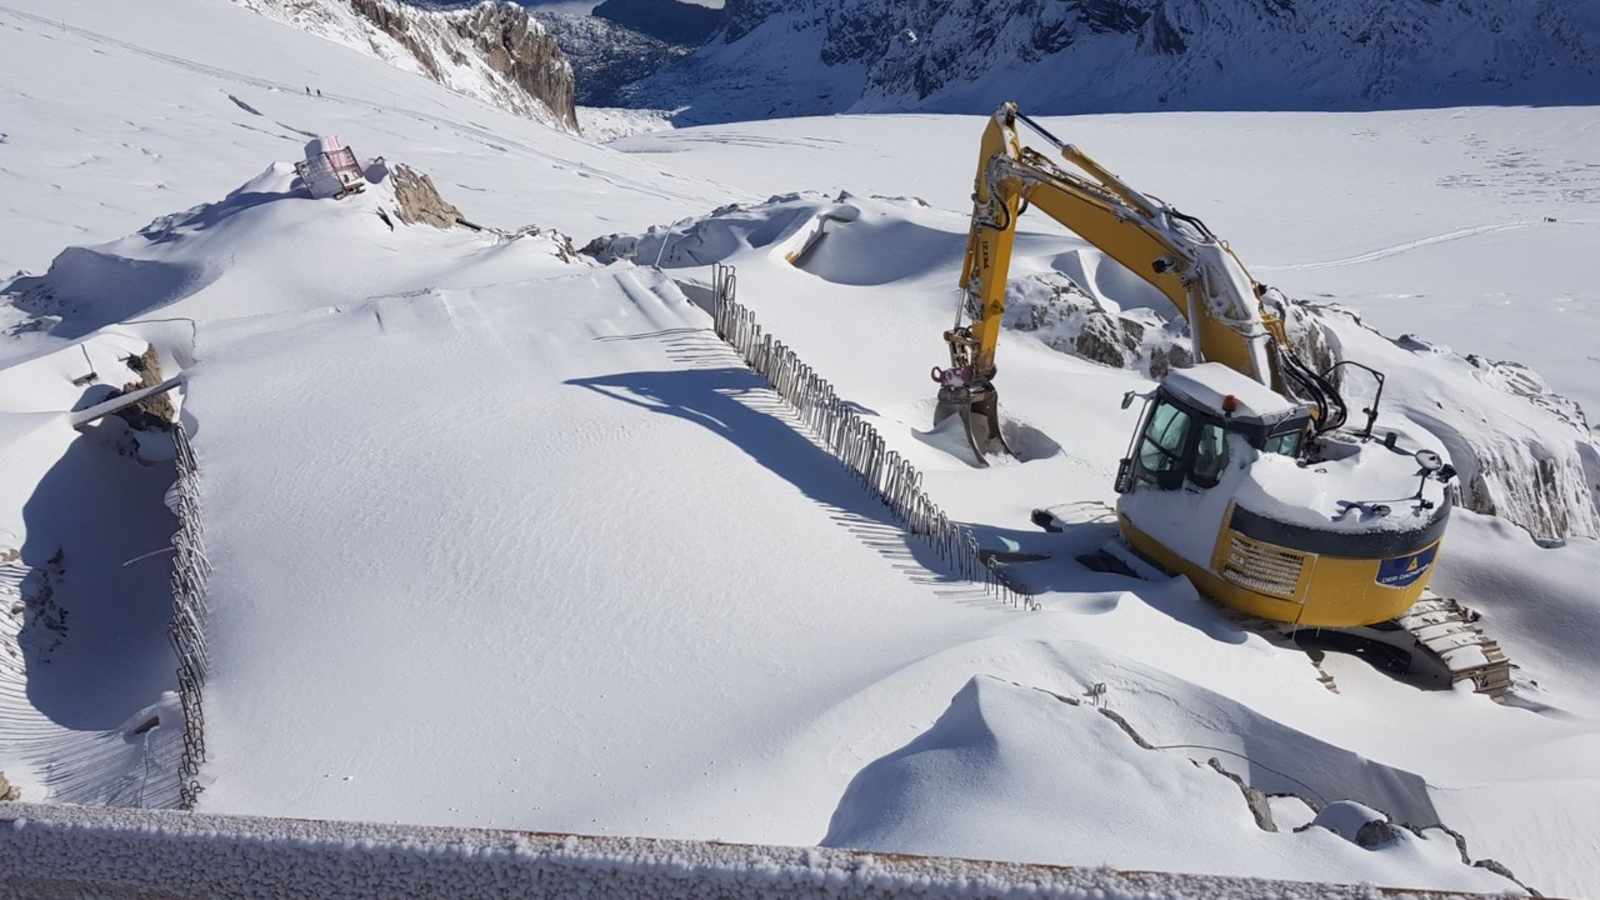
(839, 427)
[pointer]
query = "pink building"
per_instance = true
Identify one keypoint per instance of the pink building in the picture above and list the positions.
(330, 168)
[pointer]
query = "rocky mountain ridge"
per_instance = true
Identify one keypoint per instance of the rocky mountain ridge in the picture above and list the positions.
(492, 50)
(808, 57)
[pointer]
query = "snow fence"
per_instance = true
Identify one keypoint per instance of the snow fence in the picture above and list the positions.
(190, 571)
(73, 851)
(852, 440)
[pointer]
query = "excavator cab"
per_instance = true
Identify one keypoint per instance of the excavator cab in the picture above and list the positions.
(1182, 438)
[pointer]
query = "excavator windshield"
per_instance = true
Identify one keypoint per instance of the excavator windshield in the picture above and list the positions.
(1181, 444)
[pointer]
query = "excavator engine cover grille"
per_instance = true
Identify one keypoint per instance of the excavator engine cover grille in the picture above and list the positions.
(1263, 568)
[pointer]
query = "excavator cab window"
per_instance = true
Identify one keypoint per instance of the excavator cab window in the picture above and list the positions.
(1287, 443)
(1163, 447)
(1210, 455)
(1179, 446)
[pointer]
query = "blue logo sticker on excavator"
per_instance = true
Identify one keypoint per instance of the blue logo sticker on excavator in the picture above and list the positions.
(1403, 571)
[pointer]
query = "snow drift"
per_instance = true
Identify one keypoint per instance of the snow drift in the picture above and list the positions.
(1008, 772)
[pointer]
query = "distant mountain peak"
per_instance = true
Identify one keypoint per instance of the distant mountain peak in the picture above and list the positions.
(806, 57)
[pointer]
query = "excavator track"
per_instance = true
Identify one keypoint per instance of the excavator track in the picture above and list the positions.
(1438, 628)
(1449, 632)
(1452, 646)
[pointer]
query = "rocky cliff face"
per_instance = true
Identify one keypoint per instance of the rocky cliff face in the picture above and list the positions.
(492, 50)
(789, 57)
(607, 55)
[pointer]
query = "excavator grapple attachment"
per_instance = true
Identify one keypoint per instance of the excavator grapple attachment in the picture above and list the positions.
(979, 409)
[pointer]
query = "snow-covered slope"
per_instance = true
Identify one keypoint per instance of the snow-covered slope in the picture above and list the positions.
(528, 520)
(142, 117)
(492, 50)
(503, 535)
(886, 267)
(785, 58)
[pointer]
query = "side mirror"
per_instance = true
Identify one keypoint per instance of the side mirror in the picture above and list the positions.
(1430, 461)
(1127, 399)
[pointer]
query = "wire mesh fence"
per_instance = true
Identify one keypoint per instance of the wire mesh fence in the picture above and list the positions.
(853, 441)
(190, 571)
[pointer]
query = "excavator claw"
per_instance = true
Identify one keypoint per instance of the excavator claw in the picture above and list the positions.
(979, 409)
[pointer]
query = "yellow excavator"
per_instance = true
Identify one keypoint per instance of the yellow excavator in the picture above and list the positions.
(1242, 474)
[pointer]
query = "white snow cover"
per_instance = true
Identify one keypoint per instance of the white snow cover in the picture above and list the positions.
(604, 124)
(147, 115)
(989, 778)
(84, 661)
(1210, 383)
(505, 537)
(1064, 418)
(436, 44)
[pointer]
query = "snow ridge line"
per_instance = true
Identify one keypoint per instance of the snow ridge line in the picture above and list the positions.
(852, 440)
(190, 572)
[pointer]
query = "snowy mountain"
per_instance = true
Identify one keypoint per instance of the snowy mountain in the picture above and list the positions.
(803, 57)
(492, 50)
(606, 55)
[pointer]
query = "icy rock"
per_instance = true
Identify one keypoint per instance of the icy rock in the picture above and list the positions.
(1067, 318)
(419, 201)
(8, 791)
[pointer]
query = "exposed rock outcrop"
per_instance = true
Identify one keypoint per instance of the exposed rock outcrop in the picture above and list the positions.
(417, 201)
(1065, 317)
(493, 50)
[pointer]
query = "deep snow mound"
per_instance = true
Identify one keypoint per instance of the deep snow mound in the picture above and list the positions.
(1009, 772)
(268, 246)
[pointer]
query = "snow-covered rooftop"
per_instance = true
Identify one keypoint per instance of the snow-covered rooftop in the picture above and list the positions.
(1208, 384)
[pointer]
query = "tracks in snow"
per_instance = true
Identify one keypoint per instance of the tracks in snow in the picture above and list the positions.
(1403, 247)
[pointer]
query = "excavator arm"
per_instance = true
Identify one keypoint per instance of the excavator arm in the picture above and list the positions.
(1173, 252)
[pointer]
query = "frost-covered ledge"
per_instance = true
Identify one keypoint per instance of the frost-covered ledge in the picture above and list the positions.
(66, 851)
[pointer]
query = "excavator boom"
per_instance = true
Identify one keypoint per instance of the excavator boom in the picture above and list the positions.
(1173, 252)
